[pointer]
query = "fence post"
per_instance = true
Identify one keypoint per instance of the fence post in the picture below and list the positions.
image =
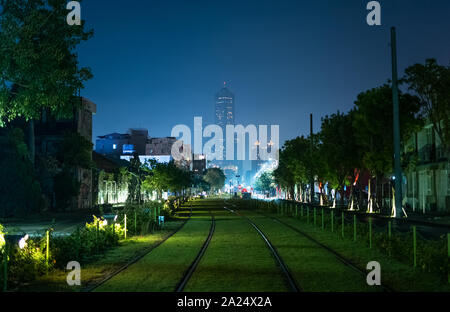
(354, 228)
(301, 212)
(296, 211)
(125, 221)
(97, 236)
(307, 214)
(135, 223)
(343, 224)
(448, 253)
(47, 247)
(323, 221)
(315, 216)
(332, 220)
(415, 245)
(370, 232)
(5, 267)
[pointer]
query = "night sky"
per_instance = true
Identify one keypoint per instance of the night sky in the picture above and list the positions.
(157, 64)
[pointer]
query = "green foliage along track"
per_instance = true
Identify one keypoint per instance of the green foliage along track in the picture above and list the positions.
(237, 260)
(162, 269)
(311, 265)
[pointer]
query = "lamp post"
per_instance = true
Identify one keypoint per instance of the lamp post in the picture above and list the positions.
(397, 163)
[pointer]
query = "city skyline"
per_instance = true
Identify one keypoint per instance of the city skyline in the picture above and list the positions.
(285, 60)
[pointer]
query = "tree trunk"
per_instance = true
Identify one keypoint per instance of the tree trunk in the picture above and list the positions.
(369, 198)
(341, 192)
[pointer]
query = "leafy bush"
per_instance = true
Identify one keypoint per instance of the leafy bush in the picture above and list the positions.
(27, 264)
(141, 219)
(95, 238)
(2, 238)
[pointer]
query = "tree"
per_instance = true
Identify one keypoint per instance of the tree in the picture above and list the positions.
(136, 177)
(265, 182)
(339, 150)
(39, 69)
(291, 168)
(299, 164)
(164, 177)
(431, 83)
(20, 192)
(373, 129)
(200, 184)
(215, 178)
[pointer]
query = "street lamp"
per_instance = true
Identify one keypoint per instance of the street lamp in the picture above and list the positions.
(21, 242)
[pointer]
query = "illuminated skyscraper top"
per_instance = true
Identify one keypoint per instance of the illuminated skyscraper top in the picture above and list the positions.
(224, 107)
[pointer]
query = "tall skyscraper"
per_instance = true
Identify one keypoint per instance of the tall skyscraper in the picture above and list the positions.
(224, 115)
(224, 107)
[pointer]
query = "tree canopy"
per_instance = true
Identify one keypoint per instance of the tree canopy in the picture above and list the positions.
(38, 64)
(431, 83)
(215, 178)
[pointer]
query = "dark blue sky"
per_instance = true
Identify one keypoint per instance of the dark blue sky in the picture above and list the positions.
(157, 64)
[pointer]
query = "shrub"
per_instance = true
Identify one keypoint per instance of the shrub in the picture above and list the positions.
(143, 216)
(87, 242)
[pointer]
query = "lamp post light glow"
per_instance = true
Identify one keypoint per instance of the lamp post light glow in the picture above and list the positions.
(111, 219)
(23, 242)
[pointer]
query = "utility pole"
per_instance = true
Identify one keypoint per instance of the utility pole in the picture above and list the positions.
(312, 159)
(397, 163)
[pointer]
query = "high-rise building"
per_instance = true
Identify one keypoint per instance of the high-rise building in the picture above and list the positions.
(224, 107)
(225, 115)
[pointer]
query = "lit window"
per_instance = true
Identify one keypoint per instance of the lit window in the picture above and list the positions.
(114, 146)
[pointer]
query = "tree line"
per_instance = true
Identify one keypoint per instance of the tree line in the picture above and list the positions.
(360, 141)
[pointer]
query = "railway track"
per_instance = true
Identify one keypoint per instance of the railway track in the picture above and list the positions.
(338, 256)
(190, 271)
(288, 276)
(136, 259)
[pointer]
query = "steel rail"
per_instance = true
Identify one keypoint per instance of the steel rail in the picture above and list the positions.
(289, 278)
(136, 259)
(335, 253)
(190, 271)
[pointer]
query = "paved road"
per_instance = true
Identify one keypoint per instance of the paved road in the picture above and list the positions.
(61, 226)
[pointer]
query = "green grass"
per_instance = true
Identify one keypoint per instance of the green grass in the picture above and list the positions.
(102, 265)
(162, 269)
(237, 260)
(397, 275)
(314, 268)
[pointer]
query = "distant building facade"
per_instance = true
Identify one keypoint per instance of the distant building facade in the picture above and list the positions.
(49, 134)
(198, 164)
(118, 144)
(427, 186)
(160, 146)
